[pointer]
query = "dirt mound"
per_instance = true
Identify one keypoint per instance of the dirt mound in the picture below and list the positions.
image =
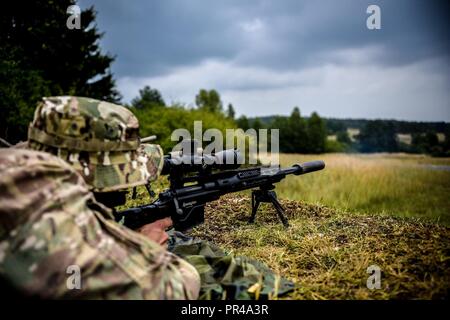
(327, 252)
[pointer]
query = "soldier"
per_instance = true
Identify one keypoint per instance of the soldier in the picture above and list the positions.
(66, 209)
(56, 239)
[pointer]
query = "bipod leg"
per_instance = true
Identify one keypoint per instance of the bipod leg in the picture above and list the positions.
(255, 204)
(280, 211)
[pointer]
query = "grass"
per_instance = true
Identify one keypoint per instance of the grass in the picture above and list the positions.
(326, 252)
(396, 184)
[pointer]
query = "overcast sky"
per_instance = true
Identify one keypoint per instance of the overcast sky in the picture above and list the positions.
(267, 56)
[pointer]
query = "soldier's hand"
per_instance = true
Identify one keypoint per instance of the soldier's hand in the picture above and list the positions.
(156, 231)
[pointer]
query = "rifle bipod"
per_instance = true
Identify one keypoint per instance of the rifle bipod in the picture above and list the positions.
(269, 196)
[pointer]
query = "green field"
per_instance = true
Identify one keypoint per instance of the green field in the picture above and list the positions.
(392, 184)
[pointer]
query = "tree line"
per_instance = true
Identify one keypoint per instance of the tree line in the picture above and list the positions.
(374, 135)
(297, 135)
(382, 136)
(156, 117)
(399, 126)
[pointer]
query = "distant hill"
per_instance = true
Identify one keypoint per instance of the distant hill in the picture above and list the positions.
(401, 127)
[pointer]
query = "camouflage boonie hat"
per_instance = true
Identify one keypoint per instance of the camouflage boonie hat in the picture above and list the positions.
(99, 139)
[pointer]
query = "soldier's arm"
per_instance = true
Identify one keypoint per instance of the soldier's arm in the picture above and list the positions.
(55, 244)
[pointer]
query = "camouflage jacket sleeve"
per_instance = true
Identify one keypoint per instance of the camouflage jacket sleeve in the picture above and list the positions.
(56, 241)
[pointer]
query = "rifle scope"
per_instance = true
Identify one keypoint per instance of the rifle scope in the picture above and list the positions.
(222, 160)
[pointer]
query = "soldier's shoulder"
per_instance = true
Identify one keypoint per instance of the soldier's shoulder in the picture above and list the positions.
(17, 157)
(27, 168)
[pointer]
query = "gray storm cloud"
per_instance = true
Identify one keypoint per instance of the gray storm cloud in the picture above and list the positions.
(268, 56)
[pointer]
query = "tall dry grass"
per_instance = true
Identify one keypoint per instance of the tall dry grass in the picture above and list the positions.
(394, 184)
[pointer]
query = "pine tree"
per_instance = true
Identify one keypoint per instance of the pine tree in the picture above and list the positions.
(317, 134)
(296, 133)
(148, 98)
(40, 55)
(230, 111)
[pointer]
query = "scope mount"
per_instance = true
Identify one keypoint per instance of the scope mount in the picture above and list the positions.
(268, 195)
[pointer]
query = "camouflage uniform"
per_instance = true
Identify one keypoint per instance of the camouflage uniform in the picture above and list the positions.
(50, 221)
(224, 276)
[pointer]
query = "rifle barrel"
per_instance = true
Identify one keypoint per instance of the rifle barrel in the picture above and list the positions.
(310, 166)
